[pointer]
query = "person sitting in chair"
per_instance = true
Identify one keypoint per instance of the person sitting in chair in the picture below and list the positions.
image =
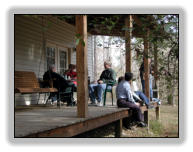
(58, 82)
(107, 76)
(125, 99)
(71, 72)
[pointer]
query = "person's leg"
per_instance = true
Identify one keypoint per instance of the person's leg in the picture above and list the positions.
(138, 116)
(137, 111)
(92, 88)
(156, 100)
(142, 97)
(100, 90)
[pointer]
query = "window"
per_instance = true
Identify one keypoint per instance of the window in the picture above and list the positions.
(63, 61)
(50, 56)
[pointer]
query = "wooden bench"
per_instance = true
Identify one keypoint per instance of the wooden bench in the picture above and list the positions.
(27, 83)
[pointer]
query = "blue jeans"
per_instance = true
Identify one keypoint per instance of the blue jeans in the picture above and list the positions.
(143, 97)
(96, 91)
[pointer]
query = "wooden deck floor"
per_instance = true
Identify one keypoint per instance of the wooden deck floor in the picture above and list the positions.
(54, 122)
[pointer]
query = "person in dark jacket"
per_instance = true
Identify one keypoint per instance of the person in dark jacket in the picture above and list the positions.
(142, 73)
(58, 82)
(107, 76)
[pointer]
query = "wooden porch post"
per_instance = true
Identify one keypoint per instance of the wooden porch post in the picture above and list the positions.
(69, 55)
(118, 128)
(155, 62)
(95, 59)
(82, 67)
(146, 69)
(128, 36)
(157, 110)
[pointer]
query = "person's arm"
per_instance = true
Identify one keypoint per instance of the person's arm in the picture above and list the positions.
(129, 93)
(101, 77)
(136, 96)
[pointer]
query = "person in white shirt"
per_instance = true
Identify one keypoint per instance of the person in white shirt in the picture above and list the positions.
(125, 99)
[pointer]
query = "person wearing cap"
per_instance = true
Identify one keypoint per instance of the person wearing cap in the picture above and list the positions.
(58, 81)
(125, 99)
(107, 76)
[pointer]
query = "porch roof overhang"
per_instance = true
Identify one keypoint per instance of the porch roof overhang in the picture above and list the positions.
(96, 24)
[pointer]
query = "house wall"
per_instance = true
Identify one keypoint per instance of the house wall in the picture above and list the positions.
(32, 35)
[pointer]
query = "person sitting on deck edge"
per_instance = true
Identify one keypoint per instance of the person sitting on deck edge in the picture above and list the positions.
(107, 76)
(138, 96)
(125, 99)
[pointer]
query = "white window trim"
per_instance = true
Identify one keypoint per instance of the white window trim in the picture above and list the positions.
(64, 49)
(51, 45)
(57, 53)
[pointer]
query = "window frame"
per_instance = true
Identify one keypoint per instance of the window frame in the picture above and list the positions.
(62, 49)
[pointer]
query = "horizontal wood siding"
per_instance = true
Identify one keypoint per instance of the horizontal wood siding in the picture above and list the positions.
(30, 35)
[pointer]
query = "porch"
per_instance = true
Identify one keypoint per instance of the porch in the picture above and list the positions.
(71, 121)
(46, 121)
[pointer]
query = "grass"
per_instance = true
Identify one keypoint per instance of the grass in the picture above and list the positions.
(167, 126)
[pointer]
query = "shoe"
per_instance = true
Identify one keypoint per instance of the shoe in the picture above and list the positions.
(141, 124)
(100, 104)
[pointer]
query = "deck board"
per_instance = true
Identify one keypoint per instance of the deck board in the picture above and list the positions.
(37, 120)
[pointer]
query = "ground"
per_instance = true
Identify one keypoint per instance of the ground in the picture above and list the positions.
(166, 127)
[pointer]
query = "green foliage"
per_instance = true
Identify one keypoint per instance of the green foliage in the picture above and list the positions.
(79, 39)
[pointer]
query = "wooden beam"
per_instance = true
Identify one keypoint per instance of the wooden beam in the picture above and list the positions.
(82, 67)
(155, 61)
(128, 36)
(157, 111)
(118, 128)
(69, 55)
(146, 64)
(146, 69)
(95, 59)
(146, 118)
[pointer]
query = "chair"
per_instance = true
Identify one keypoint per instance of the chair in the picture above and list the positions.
(27, 83)
(109, 88)
(67, 95)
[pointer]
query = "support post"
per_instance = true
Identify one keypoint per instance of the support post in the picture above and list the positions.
(146, 69)
(146, 118)
(82, 67)
(155, 63)
(69, 55)
(146, 64)
(157, 111)
(128, 36)
(95, 59)
(118, 128)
